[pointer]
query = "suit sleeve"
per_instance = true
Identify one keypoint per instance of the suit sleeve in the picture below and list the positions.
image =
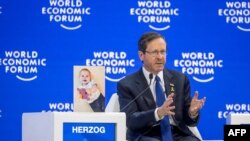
(187, 101)
(137, 119)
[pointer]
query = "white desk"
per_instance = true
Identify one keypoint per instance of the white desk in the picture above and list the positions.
(49, 126)
(236, 119)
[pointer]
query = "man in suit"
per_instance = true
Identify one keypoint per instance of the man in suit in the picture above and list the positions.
(142, 113)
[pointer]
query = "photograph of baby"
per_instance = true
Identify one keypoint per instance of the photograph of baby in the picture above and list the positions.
(89, 82)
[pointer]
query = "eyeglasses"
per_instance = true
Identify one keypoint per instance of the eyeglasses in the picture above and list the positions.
(155, 53)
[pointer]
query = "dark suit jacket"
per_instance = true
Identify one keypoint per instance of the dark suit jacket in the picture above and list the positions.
(140, 113)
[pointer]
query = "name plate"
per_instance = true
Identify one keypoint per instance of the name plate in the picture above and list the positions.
(89, 131)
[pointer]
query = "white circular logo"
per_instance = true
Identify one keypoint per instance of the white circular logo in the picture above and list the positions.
(234, 108)
(237, 13)
(157, 14)
(69, 13)
(24, 64)
(0, 9)
(115, 63)
(201, 66)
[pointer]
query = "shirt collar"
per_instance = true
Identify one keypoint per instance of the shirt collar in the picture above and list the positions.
(146, 74)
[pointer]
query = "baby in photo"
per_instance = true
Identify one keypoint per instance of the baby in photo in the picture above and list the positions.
(89, 91)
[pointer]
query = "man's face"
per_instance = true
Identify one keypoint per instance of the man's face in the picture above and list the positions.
(84, 77)
(155, 56)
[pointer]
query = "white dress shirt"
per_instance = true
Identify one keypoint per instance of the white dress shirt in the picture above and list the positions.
(152, 88)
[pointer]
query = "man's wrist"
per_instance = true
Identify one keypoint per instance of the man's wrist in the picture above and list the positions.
(159, 113)
(193, 115)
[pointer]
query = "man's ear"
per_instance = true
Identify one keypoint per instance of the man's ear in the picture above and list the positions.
(141, 55)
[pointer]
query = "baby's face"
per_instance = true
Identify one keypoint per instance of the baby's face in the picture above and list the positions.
(84, 77)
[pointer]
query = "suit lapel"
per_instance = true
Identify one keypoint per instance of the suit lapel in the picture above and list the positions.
(142, 85)
(167, 81)
(169, 84)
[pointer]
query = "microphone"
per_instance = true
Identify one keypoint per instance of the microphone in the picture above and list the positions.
(141, 93)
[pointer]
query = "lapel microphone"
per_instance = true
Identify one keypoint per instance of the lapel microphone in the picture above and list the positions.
(141, 93)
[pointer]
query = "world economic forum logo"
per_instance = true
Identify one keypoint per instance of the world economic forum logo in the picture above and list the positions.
(234, 108)
(156, 13)
(24, 64)
(116, 63)
(69, 13)
(237, 13)
(0, 9)
(0, 113)
(59, 107)
(201, 66)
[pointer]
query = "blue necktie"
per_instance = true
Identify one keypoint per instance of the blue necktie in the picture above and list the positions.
(165, 125)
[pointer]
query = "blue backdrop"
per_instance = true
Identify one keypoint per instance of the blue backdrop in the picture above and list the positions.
(41, 41)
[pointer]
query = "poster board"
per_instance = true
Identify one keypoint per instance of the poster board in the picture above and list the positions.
(89, 89)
